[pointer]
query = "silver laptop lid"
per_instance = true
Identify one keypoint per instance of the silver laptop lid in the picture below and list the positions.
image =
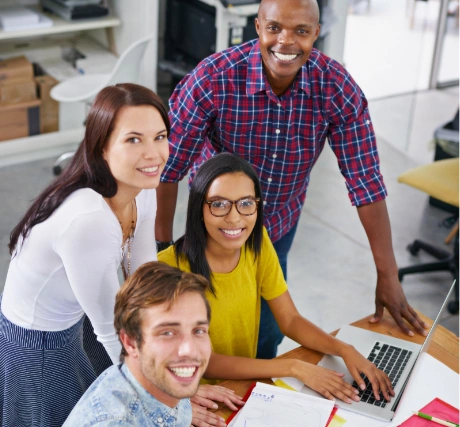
(425, 346)
(429, 337)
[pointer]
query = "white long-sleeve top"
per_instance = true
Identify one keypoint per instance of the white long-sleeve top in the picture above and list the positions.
(68, 264)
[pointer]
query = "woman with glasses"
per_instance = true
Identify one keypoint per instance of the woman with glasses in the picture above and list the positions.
(226, 242)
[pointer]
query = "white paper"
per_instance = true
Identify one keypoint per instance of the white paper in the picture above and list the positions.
(271, 406)
(430, 379)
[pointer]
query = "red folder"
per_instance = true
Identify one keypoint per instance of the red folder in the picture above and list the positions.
(332, 415)
(436, 408)
(245, 398)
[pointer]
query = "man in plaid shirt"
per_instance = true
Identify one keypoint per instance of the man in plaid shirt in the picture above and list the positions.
(274, 101)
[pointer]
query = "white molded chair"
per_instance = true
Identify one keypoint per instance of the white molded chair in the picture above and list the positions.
(84, 88)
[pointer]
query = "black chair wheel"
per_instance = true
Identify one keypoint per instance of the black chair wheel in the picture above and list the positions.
(57, 170)
(413, 249)
(453, 307)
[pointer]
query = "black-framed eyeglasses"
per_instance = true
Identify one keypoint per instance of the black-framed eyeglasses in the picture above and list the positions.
(245, 206)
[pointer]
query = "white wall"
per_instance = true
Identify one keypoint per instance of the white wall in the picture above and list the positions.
(139, 18)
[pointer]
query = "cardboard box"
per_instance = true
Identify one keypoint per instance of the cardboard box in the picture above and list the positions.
(19, 120)
(49, 109)
(17, 91)
(16, 67)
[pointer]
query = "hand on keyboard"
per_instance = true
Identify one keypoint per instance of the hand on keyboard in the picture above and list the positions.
(365, 374)
(325, 381)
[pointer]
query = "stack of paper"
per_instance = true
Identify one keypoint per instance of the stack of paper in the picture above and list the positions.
(271, 406)
(14, 18)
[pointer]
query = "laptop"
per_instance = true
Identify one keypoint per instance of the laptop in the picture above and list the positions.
(395, 356)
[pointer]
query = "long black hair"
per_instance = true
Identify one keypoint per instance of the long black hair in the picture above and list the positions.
(191, 246)
(88, 169)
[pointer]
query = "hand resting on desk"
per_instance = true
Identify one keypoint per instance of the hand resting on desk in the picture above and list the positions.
(205, 398)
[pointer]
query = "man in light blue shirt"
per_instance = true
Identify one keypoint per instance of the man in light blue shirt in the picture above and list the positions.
(162, 320)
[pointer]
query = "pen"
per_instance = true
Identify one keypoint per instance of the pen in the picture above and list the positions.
(436, 420)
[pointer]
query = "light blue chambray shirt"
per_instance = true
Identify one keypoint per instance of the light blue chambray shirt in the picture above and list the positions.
(117, 399)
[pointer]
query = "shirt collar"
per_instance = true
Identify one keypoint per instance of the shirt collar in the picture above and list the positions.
(151, 405)
(256, 81)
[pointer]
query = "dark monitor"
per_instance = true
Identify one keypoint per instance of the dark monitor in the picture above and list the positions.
(190, 32)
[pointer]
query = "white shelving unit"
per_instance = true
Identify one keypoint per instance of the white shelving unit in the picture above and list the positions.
(61, 26)
(53, 144)
(116, 34)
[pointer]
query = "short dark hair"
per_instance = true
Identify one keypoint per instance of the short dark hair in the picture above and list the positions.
(153, 283)
(191, 246)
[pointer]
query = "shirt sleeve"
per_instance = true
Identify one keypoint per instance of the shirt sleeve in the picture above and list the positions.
(90, 252)
(269, 273)
(351, 137)
(191, 112)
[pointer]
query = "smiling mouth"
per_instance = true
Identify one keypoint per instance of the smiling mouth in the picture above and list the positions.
(285, 57)
(149, 170)
(184, 372)
(232, 232)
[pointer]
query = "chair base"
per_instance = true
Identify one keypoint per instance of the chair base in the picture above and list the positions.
(447, 262)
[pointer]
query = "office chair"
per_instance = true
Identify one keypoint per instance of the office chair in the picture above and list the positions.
(84, 88)
(440, 180)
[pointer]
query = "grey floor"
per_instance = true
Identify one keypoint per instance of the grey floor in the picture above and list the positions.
(331, 273)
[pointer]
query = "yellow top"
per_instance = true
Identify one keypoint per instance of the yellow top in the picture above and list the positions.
(235, 309)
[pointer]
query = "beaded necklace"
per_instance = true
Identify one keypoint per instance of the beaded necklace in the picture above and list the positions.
(127, 242)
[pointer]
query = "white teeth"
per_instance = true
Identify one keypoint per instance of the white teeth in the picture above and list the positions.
(184, 372)
(232, 232)
(154, 169)
(284, 57)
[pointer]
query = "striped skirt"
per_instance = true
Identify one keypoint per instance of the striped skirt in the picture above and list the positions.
(42, 374)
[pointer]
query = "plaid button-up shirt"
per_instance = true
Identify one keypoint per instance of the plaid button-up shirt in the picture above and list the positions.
(227, 105)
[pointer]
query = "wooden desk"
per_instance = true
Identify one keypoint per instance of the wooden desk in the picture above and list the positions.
(444, 347)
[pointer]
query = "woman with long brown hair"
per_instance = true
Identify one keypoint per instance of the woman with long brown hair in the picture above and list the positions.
(66, 251)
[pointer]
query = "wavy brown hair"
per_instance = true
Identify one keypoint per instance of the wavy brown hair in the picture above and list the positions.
(88, 169)
(153, 283)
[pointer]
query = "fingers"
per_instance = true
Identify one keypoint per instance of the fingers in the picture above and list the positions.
(378, 379)
(201, 417)
(339, 389)
(415, 320)
(408, 313)
(378, 312)
(207, 395)
(331, 385)
(231, 402)
(204, 402)
(400, 322)
(389, 294)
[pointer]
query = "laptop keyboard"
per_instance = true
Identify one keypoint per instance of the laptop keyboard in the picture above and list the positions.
(391, 360)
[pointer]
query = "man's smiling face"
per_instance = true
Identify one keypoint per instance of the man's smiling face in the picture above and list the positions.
(175, 348)
(287, 30)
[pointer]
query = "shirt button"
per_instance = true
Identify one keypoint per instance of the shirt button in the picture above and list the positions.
(264, 202)
(279, 105)
(368, 122)
(269, 180)
(277, 131)
(275, 156)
